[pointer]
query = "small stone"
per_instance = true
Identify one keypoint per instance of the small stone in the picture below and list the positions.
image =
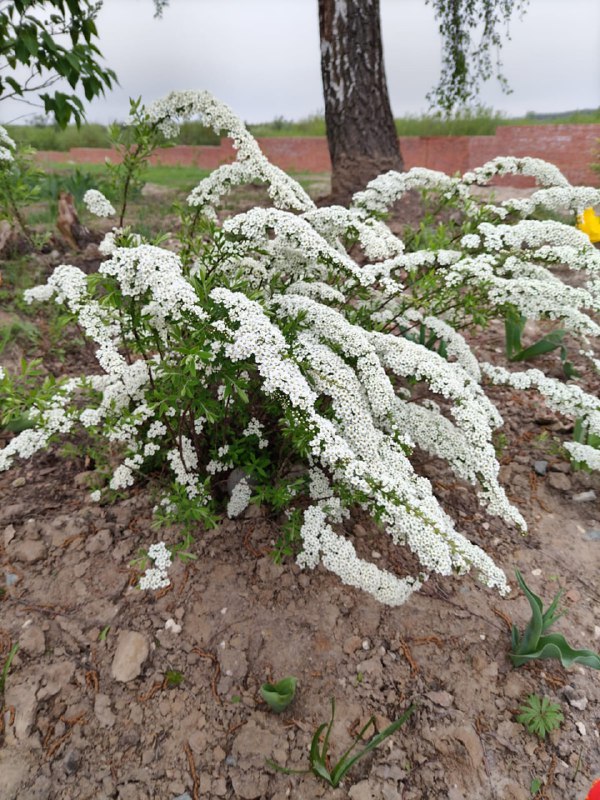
(184, 796)
(84, 479)
(352, 644)
(593, 535)
(559, 481)
(99, 542)
(444, 699)
(55, 677)
(575, 698)
(71, 761)
(596, 631)
(23, 698)
(573, 596)
(32, 641)
(29, 551)
(366, 644)
(581, 729)
(362, 791)
(198, 741)
(103, 711)
(584, 497)
(540, 467)
(132, 651)
(536, 572)
(250, 785)
(18, 483)
(11, 578)
(9, 534)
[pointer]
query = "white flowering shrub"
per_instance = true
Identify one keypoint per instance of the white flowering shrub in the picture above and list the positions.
(19, 185)
(263, 362)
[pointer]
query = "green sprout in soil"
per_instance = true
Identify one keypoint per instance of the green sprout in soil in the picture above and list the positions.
(173, 678)
(318, 756)
(5, 669)
(539, 715)
(535, 643)
(278, 696)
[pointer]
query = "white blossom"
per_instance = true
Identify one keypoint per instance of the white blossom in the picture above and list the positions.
(97, 204)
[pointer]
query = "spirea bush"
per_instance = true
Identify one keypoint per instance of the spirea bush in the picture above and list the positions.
(296, 356)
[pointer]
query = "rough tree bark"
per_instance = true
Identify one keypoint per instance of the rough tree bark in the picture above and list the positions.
(361, 133)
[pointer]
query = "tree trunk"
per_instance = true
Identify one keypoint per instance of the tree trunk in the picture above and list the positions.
(361, 133)
(75, 234)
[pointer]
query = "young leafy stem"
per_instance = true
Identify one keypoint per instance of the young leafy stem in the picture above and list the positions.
(319, 753)
(536, 643)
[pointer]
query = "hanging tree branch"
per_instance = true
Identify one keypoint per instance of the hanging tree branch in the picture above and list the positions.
(467, 60)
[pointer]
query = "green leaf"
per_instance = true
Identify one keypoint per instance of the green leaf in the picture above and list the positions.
(536, 624)
(278, 696)
(514, 324)
(554, 645)
(535, 786)
(339, 771)
(545, 345)
(539, 715)
(315, 758)
(5, 669)
(29, 39)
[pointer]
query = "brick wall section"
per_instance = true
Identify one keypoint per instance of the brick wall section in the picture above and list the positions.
(573, 148)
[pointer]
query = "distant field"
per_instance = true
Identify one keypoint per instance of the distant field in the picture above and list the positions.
(469, 123)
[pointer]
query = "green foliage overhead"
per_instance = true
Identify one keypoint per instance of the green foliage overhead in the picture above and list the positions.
(51, 40)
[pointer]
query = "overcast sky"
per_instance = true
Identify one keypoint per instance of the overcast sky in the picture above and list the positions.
(262, 56)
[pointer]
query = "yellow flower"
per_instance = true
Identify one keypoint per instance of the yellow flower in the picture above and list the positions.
(589, 222)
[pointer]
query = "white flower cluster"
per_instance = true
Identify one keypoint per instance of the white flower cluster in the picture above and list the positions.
(184, 463)
(96, 203)
(156, 274)
(250, 165)
(382, 192)
(545, 174)
(156, 577)
(7, 146)
(240, 498)
(113, 238)
(256, 428)
(339, 556)
(56, 419)
(565, 398)
(590, 456)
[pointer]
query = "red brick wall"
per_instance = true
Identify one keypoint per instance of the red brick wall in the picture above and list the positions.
(573, 148)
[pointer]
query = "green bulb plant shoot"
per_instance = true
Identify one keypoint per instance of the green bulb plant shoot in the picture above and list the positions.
(540, 716)
(318, 756)
(535, 643)
(278, 696)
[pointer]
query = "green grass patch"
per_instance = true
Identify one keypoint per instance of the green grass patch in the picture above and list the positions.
(174, 176)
